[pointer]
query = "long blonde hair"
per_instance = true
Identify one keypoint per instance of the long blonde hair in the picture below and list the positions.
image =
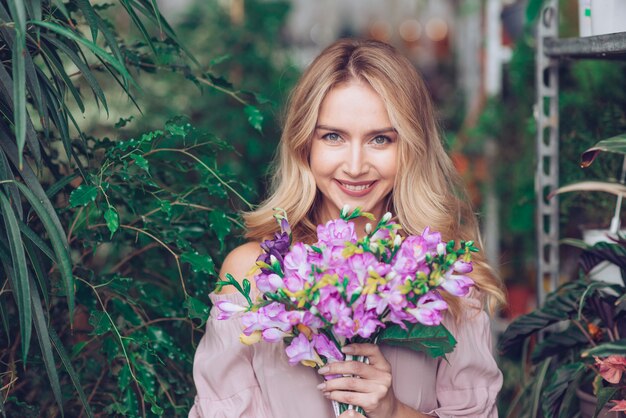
(428, 190)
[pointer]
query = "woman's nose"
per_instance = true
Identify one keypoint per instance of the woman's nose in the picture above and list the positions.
(356, 161)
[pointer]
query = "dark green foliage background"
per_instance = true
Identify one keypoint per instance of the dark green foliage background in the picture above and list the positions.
(148, 200)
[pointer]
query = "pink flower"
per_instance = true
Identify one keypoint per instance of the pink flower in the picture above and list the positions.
(302, 350)
(429, 309)
(228, 309)
(366, 322)
(612, 368)
(273, 335)
(325, 347)
(411, 253)
(457, 285)
(620, 406)
(336, 232)
(296, 260)
(432, 239)
(269, 282)
(462, 267)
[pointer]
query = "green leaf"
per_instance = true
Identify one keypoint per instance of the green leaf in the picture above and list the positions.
(112, 219)
(435, 341)
(604, 350)
(199, 262)
(19, 278)
(141, 162)
(99, 52)
(558, 342)
(83, 195)
(604, 395)
(559, 306)
(41, 328)
(100, 322)
(561, 380)
(84, 69)
(90, 15)
(255, 118)
(616, 144)
(220, 59)
(19, 74)
(220, 225)
(70, 370)
(196, 309)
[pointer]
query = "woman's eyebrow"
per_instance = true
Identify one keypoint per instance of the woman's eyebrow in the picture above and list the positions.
(370, 133)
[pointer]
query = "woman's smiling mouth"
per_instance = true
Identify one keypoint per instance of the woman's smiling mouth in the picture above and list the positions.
(356, 189)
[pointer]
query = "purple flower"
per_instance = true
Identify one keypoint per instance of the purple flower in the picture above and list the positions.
(336, 232)
(277, 247)
(457, 285)
(429, 309)
(302, 350)
(325, 347)
(228, 309)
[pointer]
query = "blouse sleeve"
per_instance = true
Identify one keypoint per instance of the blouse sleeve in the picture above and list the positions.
(225, 382)
(468, 383)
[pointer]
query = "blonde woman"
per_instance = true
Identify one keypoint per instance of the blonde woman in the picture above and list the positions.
(360, 130)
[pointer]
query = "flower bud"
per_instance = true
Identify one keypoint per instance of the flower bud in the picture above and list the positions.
(368, 228)
(386, 217)
(397, 241)
(345, 210)
(441, 248)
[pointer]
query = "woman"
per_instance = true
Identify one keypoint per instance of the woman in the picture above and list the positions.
(360, 130)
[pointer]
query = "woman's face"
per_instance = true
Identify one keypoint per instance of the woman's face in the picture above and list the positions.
(354, 150)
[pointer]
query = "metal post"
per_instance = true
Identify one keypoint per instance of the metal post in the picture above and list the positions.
(547, 175)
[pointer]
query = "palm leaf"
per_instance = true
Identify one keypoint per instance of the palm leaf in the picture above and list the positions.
(57, 67)
(7, 174)
(65, 359)
(38, 270)
(19, 74)
(41, 328)
(95, 49)
(59, 245)
(84, 69)
(18, 280)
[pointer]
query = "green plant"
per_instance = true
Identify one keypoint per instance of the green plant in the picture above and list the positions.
(107, 246)
(582, 323)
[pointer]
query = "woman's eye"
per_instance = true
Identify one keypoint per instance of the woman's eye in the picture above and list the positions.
(381, 140)
(331, 137)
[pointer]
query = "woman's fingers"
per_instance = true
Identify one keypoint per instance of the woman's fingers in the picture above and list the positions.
(372, 352)
(367, 401)
(350, 384)
(353, 368)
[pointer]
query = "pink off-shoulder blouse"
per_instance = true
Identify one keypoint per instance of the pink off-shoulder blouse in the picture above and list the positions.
(238, 381)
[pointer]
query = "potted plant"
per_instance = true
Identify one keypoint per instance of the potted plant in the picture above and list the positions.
(581, 355)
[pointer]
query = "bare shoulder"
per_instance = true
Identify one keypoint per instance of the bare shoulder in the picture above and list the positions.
(238, 263)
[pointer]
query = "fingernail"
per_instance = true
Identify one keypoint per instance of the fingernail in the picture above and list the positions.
(323, 370)
(321, 386)
(347, 350)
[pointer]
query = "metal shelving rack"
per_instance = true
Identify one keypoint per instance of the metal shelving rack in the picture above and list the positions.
(550, 50)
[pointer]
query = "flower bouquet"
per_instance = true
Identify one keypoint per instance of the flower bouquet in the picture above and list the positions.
(381, 288)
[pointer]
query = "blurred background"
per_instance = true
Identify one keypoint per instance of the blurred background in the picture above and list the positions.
(478, 60)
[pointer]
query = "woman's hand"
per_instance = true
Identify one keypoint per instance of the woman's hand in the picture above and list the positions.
(370, 387)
